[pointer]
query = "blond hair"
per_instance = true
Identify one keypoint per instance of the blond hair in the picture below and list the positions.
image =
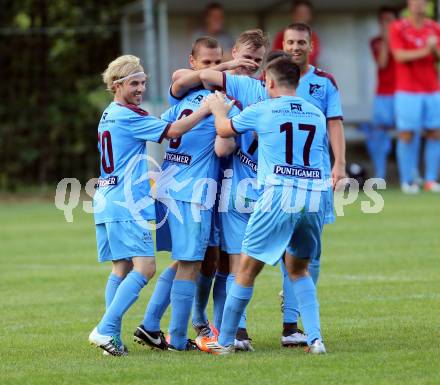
(255, 38)
(119, 68)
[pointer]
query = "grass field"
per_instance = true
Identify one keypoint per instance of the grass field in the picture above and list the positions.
(379, 294)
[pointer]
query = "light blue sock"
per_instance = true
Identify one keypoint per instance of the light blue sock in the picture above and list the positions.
(291, 312)
(203, 289)
(305, 292)
(416, 144)
(314, 269)
(126, 294)
(159, 301)
(113, 283)
(182, 297)
(432, 159)
(236, 301)
(382, 148)
(405, 160)
(219, 297)
(230, 280)
(369, 139)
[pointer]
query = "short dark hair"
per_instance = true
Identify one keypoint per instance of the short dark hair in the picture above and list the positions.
(272, 55)
(204, 41)
(299, 3)
(211, 7)
(300, 27)
(284, 71)
(255, 38)
(387, 9)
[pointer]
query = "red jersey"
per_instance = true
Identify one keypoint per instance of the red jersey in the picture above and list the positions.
(278, 44)
(386, 77)
(417, 75)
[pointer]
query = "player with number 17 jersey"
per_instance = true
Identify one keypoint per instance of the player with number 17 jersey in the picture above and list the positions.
(298, 165)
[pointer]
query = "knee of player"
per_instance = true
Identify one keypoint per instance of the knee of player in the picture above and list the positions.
(433, 134)
(188, 270)
(406, 136)
(122, 268)
(145, 266)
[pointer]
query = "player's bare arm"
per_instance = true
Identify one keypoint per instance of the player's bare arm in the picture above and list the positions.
(220, 108)
(179, 127)
(211, 79)
(337, 141)
(225, 66)
(224, 146)
(185, 79)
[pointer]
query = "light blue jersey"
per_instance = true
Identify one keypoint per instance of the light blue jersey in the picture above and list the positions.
(193, 153)
(300, 127)
(316, 86)
(122, 133)
(244, 160)
(320, 89)
(291, 135)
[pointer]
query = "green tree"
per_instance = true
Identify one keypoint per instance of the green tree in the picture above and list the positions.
(51, 56)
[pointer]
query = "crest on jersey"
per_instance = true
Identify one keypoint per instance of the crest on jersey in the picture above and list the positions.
(316, 90)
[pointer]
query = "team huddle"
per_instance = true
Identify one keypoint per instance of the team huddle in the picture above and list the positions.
(264, 144)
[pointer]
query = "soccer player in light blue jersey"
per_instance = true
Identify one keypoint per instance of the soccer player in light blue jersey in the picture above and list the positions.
(318, 88)
(248, 53)
(291, 134)
(122, 232)
(185, 204)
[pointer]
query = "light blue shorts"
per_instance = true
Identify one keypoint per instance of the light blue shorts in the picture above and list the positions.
(269, 234)
(123, 240)
(186, 237)
(417, 111)
(214, 236)
(383, 111)
(233, 228)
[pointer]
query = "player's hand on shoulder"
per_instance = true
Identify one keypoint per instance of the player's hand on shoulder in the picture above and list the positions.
(218, 104)
(241, 62)
(204, 106)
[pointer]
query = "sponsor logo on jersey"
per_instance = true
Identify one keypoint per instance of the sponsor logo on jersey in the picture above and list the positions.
(198, 99)
(104, 182)
(246, 160)
(295, 107)
(297, 172)
(317, 90)
(175, 157)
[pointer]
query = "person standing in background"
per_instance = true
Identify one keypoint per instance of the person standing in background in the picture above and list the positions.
(379, 140)
(302, 12)
(214, 26)
(414, 42)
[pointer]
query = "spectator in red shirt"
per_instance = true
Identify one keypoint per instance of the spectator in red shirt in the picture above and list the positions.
(302, 12)
(379, 139)
(415, 45)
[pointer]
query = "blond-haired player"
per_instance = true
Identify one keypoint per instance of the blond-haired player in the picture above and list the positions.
(122, 235)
